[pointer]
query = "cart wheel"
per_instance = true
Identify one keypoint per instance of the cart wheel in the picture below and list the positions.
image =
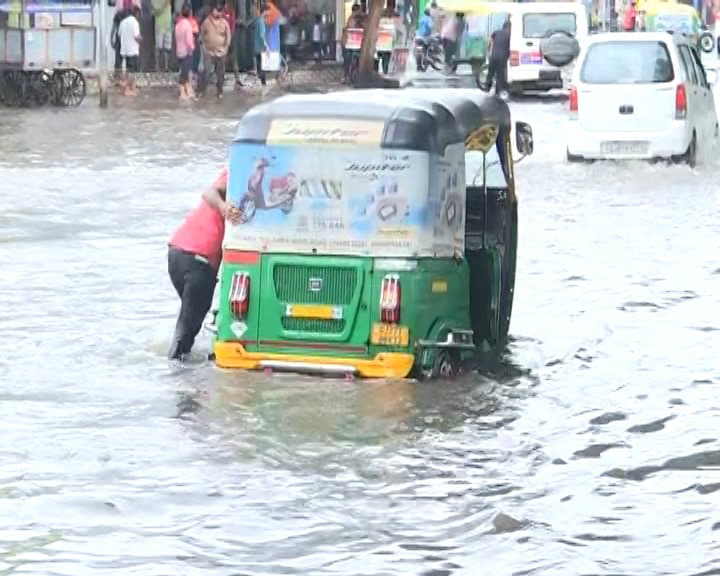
(22, 87)
(70, 88)
(12, 88)
(39, 89)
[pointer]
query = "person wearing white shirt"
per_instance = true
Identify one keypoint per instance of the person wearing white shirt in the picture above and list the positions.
(317, 38)
(129, 33)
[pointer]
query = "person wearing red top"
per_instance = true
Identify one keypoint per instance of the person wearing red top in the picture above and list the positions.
(629, 18)
(194, 254)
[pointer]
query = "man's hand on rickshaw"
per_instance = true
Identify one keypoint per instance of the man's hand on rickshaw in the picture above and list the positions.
(230, 212)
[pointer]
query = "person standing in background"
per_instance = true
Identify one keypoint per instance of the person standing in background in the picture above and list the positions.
(261, 46)
(498, 61)
(292, 36)
(216, 38)
(317, 38)
(129, 32)
(449, 34)
(229, 15)
(354, 21)
(437, 17)
(162, 12)
(120, 15)
(184, 48)
(629, 18)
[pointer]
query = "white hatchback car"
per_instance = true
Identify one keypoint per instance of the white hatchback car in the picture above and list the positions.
(640, 95)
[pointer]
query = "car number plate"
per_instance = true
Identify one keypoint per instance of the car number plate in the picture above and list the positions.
(627, 148)
(389, 335)
(531, 58)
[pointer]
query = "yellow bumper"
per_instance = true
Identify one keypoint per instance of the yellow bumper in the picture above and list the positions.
(384, 365)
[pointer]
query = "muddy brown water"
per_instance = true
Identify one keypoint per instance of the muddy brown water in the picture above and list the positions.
(593, 450)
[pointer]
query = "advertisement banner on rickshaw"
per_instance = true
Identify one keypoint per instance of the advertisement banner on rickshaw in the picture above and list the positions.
(385, 37)
(346, 198)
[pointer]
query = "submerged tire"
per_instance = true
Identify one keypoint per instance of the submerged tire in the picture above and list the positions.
(706, 42)
(507, 284)
(690, 157)
(559, 48)
(446, 365)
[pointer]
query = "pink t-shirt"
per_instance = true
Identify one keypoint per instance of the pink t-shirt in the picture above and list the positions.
(184, 40)
(203, 230)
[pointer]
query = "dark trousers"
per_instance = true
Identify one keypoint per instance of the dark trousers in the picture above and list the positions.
(118, 58)
(212, 64)
(259, 70)
(449, 48)
(194, 281)
(497, 70)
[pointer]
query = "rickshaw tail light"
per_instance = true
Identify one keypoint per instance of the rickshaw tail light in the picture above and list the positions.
(680, 101)
(390, 299)
(573, 99)
(239, 298)
(514, 58)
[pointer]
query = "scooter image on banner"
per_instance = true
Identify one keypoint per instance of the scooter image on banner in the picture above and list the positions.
(281, 192)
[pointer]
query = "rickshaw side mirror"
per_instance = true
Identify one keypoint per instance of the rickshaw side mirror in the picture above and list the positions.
(524, 138)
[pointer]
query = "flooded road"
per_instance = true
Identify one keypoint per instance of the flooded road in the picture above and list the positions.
(595, 450)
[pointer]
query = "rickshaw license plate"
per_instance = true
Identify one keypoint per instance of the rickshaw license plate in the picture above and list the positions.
(314, 311)
(389, 335)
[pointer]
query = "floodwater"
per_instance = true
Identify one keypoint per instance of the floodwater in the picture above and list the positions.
(594, 449)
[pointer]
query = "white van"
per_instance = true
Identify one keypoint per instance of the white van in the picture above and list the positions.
(544, 43)
(640, 96)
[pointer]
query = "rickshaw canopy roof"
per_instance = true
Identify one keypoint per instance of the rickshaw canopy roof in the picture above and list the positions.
(474, 8)
(652, 8)
(412, 119)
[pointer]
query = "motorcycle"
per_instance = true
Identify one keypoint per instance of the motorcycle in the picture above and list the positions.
(428, 52)
(282, 192)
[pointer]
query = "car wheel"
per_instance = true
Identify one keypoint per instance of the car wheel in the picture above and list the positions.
(690, 157)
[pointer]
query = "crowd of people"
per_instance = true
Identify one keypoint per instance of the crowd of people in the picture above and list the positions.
(200, 43)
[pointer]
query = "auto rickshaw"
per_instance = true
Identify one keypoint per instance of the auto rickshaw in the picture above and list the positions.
(678, 19)
(481, 19)
(397, 256)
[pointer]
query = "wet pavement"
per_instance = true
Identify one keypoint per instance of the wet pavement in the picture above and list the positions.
(593, 450)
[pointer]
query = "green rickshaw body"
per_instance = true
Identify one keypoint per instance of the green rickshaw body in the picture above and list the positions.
(350, 255)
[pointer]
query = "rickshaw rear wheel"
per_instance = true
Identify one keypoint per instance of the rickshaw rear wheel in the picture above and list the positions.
(507, 284)
(445, 365)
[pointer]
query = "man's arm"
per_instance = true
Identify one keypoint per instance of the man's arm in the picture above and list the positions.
(215, 195)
